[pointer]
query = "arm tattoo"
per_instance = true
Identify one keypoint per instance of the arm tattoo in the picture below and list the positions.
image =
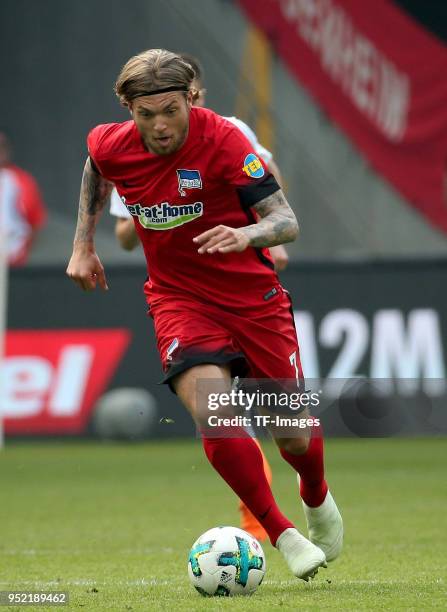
(277, 225)
(94, 192)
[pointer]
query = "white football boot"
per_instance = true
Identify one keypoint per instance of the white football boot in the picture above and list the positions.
(325, 526)
(302, 557)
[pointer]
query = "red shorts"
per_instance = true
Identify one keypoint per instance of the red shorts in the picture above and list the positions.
(262, 344)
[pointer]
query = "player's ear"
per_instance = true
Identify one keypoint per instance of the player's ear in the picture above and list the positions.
(129, 106)
(190, 98)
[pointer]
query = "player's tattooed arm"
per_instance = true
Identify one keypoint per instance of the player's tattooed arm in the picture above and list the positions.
(277, 224)
(85, 267)
(94, 193)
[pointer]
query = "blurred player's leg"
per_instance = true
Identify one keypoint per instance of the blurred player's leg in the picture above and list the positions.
(248, 521)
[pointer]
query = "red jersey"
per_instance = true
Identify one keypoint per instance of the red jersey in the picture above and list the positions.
(214, 178)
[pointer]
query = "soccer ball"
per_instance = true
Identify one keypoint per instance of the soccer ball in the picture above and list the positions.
(226, 561)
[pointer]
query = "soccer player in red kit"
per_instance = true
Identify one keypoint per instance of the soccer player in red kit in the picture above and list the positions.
(192, 183)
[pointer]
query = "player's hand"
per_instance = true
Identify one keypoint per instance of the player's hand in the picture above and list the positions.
(280, 257)
(86, 270)
(222, 239)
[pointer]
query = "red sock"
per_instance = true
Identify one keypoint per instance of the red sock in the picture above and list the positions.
(239, 462)
(310, 467)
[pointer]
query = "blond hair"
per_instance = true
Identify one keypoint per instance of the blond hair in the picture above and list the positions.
(152, 71)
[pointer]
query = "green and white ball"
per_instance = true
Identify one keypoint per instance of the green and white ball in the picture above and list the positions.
(226, 561)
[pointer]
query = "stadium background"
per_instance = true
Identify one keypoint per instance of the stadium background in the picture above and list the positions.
(367, 274)
(365, 251)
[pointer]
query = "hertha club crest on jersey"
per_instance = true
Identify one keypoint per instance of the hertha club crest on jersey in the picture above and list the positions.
(188, 179)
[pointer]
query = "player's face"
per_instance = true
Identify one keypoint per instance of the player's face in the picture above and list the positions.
(162, 120)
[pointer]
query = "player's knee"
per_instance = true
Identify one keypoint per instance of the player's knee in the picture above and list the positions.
(294, 446)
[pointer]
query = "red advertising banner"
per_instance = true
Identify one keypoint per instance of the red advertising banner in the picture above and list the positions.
(51, 379)
(380, 76)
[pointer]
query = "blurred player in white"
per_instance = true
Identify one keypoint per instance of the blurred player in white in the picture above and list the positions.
(128, 239)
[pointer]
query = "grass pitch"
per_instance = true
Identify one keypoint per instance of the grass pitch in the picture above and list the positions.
(113, 524)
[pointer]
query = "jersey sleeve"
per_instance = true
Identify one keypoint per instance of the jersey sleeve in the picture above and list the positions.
(93, 141)
(244, 169)
(96, 140)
